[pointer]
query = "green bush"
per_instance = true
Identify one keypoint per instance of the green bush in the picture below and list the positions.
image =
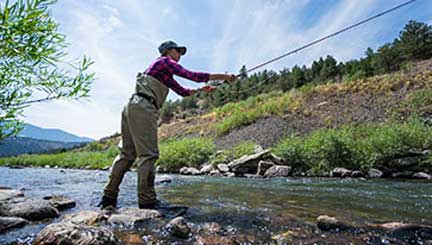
(354, 147)
(191, 152)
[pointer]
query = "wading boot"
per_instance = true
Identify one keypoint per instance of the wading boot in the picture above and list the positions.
(107, 202)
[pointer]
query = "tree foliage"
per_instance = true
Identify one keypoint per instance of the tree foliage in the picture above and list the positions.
(33, 65)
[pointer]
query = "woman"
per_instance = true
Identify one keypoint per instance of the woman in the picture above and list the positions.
(139, 122)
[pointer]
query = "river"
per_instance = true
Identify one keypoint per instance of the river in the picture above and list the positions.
(256, 207)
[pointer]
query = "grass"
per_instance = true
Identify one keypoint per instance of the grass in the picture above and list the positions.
(354, 147)
(233, 115)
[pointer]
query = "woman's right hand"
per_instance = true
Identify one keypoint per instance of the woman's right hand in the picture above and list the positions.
(227, 77)
(231, 78)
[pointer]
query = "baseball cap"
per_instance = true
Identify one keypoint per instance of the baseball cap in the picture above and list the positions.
(169, 45)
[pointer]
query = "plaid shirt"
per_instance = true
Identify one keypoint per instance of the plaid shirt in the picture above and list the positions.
(163, 69)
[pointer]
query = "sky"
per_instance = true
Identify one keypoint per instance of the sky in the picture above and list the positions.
(122, 37)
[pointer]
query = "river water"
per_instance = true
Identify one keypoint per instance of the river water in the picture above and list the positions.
(257, 207)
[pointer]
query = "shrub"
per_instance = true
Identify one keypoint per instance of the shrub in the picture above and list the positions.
(354, 147)
(191, 152)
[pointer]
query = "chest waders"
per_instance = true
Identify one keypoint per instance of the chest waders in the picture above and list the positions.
(139, 139)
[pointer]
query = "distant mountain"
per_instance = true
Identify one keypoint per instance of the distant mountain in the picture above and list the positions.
(19, 145)
(31, 131)
(33, 139)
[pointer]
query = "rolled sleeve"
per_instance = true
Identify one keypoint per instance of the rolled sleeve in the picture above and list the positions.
(177, 69)
(177, 88)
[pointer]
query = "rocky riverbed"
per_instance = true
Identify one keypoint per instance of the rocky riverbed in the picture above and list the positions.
(45, 205)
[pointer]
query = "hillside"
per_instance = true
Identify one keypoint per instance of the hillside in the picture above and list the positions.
(265, 119)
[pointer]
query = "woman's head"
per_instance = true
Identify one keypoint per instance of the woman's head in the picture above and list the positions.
(173, 54)
(172, 50)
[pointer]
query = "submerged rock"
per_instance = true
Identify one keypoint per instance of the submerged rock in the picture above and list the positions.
(85, 217)
(328, 223)
(70, 233)
(189, 171)
(133, 217)
(341, 172)
(8, 193)
(7, 223)
(374, 173)
(29, 208)
(178, 227)
(278, 171)
(60, 202)
(163, 179)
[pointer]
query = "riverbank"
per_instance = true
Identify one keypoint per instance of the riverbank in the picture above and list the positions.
(393, 149)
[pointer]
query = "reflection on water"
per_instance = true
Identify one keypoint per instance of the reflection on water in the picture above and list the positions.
(256, 206)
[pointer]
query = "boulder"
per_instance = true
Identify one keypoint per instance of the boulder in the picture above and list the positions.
(223, 168)
(28, 208)
(229, 174)
(7, 223)
(189, 171)
(215, 173)
(8, 193)
(60, 202)
(206, 169)
(402, 175)
(357, 174)
(263, 166)
(278, 171)
(341, 172)
(133, 217)
(70, 233)
(248, 164)
(421, 175)
(178, 227)
(327, 223)
(85, 217)
(374, 173)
